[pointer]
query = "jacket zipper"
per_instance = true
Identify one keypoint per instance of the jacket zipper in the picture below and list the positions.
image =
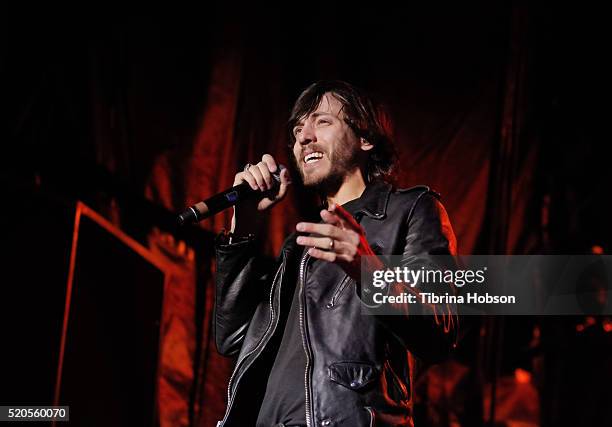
(338, 292)
(371, 413)
(305, 344)
(230, 396)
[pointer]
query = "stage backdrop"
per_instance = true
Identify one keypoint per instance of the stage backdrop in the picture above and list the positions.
(457, 96)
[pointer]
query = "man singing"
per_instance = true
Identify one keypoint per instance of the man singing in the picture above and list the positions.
(307, 356)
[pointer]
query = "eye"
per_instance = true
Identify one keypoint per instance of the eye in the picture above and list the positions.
(297, 131)
(322, 121)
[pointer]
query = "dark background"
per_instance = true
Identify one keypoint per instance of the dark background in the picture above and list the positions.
(499, 107)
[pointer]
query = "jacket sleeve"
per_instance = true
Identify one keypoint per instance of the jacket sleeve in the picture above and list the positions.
(428, 331)
(241, 282)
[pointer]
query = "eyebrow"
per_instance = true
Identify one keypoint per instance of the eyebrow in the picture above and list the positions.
(314, 115)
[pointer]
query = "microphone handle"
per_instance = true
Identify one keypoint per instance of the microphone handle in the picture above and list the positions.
(221, 201)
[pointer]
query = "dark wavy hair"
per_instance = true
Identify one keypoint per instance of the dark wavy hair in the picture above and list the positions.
(365, 117)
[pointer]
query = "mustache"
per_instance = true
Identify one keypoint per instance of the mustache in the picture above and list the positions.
(312, 147)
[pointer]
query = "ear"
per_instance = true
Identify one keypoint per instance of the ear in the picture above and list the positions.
(365, 144)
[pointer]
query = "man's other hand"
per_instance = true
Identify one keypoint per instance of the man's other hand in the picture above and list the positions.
(340, 239)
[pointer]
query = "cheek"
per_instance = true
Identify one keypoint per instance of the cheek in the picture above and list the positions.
(295, 163)
(296, 153)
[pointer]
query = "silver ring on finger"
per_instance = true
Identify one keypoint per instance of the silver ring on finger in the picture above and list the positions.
(331, 244)
(247, 166)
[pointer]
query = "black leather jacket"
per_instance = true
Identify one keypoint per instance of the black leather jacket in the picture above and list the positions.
(359, 368)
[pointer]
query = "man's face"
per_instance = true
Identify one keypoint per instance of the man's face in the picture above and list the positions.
(325, 148)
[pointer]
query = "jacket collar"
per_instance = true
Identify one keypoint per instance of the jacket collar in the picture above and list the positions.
(373, 201)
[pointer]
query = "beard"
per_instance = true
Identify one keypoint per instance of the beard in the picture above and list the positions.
(343, 158)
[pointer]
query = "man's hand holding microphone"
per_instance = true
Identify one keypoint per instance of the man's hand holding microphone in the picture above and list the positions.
(248, 215)
(258, 188)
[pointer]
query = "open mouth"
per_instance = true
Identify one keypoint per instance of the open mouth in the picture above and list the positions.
(313, 157)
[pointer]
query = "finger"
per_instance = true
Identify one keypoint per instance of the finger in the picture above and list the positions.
(265, 173)
(348, 234)
(320, 242)
(330, 218)
(324, 255)
(347, 217)
(254, 170)
(269, 160)
(284, 183)
(246, 177)
(346, 243)
(330, 256)
(320, 229)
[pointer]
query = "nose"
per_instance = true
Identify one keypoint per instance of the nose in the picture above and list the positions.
(307, 135)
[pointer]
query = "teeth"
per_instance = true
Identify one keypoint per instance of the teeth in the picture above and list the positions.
(313, 157)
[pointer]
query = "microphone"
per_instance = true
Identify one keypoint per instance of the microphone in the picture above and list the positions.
(224, 200)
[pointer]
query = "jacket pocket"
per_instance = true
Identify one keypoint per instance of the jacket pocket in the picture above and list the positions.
(338, 291)
(353, 375)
